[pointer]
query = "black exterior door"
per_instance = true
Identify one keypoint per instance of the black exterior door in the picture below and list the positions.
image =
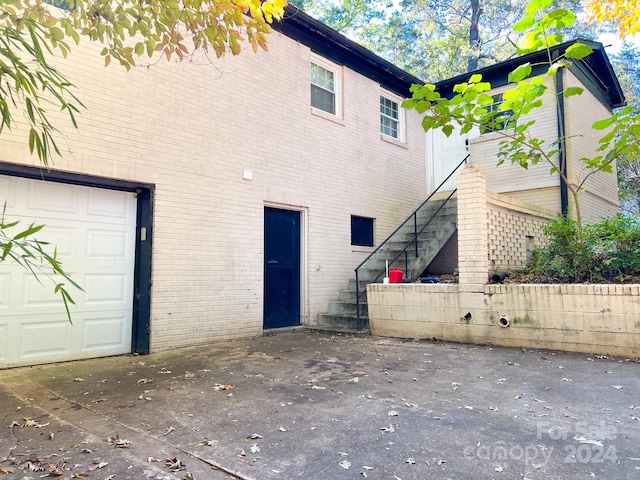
(281, 268)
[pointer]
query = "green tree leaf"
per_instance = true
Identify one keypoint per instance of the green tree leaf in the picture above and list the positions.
(578, 51)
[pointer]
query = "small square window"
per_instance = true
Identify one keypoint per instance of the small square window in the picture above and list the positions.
(361, 231)
(323, 89)
(501, 119)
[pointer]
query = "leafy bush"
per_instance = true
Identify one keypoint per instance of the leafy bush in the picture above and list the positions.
(607, 251)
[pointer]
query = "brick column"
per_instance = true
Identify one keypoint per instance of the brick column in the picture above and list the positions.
(473, 249)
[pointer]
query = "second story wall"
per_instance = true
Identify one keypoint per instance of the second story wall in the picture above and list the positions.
(600, 196)
(535, 184)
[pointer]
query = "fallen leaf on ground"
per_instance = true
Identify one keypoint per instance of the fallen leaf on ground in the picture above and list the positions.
(254, 448)
(388, 429)
(345, 464)
(207, 443)
(118, 442)
(588, 440)
(98, 464)
(78, 379)
(219, 386)
(174, 464)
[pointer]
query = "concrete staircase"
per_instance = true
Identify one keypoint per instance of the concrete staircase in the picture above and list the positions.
(342, 313)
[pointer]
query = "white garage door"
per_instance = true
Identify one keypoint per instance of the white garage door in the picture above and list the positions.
(94, 231)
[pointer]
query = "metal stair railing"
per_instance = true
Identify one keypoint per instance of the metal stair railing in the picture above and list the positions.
(413, 240)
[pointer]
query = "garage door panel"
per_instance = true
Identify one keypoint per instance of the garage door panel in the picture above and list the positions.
(63, 239)
(5, 289)
(107, 244)
(52, 197)
(8, 191)
(48, 338)
(105, 289)
(105, 334)
(110, 204)
(36, 294)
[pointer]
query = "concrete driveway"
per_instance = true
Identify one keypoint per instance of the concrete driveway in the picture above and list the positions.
(308, 405)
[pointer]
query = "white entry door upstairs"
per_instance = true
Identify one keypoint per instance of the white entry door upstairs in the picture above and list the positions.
(443, 155)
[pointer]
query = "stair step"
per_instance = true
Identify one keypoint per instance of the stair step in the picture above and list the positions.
(350, 296)
(327, 321)
(337, 307)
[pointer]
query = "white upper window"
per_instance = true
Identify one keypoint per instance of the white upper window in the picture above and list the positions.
(391, 117)
(325, 87)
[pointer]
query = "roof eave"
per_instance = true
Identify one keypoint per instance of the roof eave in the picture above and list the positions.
(334, 46)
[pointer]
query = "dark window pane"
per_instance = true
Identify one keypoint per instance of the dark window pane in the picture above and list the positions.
(361, 231)
(323, 99)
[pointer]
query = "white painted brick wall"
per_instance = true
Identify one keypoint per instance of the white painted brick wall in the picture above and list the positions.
(191, 129)
(493, 229)
(514, 230)
(472, 226)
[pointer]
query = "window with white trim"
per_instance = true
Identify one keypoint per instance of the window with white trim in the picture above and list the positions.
(501, 118)
(391, 117)
(323, 88)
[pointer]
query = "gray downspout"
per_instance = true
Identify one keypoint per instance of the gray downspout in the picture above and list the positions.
(562, 146)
